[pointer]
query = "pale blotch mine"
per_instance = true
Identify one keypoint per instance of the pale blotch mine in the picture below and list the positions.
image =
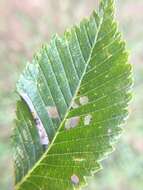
(109, 131)
(75, 179)
(87, 119)
(83, 100)
(72, 122)
(74, 105)
(52, 112)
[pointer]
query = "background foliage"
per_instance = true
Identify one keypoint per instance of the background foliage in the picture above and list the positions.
(24, 25)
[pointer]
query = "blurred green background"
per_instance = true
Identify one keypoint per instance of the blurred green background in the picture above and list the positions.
(24, 26)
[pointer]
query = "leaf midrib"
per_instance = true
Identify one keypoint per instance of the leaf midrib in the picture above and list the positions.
(17, 186)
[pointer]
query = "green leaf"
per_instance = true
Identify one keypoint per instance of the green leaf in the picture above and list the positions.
(73, 99)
